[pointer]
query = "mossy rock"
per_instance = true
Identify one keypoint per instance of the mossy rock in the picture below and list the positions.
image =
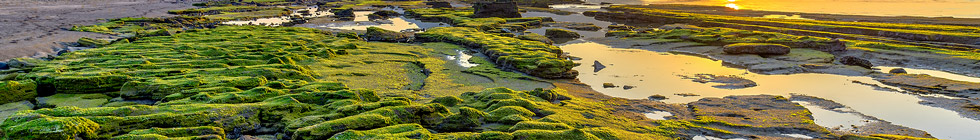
(448, 100)
(76, 100)
(401, 131)
(530, 125)
(8, 109)
(47, 127)
(93, 43)
(24, 63)
(202, 132)
(536, 37)
(378, 34)
(570, 134)
(14, 91)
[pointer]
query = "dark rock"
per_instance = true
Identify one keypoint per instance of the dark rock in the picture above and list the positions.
(597, 66)
(680, 26)
(686, 94)
(20, 63)
(575, 25)
(897, 71)
(343, 12)
(560, 33)
(378, 34)
(628, 87)
(383, 14)
(608, 85)
(3, 66)
(62, 52)
(657, 97)
(496, 9)
(604, 3)
(855, 61)
(756, 48)
(620, 27)
(439, 4)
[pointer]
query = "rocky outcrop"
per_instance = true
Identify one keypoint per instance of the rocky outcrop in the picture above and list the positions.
(560, 33)
(756, 48)
(439, 4)
(725, 82)
(771, 113)
(679, 26)
(378, 34)
(855, 61)
(13, 91)
(383, 14)
(575, 26)
(496, 9)
(22, 63)
(536, 37)
(343, 12)
(928, 84)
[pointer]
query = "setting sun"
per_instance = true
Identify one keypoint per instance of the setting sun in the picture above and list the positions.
(732, 5)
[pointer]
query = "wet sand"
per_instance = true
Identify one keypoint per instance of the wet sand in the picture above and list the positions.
(30, 28)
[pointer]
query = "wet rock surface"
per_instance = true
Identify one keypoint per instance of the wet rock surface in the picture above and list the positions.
(574, 26)
(923, 83)
(724, 81)
(439, 4)
(756, 48)
(378, 34)
(760, 113)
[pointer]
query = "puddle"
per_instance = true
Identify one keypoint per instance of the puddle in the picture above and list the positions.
(801, 136)
(658, 115)
(309, 12)
(833, 119)
(462, 59)
(934, 73)
(655, 73)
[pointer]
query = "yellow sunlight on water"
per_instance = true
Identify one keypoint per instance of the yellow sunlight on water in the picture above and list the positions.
(732, 5)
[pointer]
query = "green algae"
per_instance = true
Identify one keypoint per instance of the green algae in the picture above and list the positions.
(14, 91)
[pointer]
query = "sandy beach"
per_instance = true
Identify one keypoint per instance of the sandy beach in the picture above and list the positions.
(30, 28)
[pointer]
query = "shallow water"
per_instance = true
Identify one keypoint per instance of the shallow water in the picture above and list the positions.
(832, 119)
(311, 12)
(928, 8)
(462, 59)
(658, 115)
(934, 73)
(656, 73)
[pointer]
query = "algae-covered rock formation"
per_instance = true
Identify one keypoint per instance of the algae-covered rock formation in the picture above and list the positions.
(560, 33)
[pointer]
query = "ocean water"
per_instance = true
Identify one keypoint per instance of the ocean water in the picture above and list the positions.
(927, 8)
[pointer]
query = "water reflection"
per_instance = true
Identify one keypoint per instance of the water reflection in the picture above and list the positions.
(732, 5)
(928, 8)
(309, 12)
(655, 73)
(934, 73)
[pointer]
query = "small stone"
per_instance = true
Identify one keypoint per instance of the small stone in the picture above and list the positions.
(897, 71)
(657, 97)
(3, 66)
(628, 87)
(686, 94)
(855, 61)
(608, 85)
(597, 66)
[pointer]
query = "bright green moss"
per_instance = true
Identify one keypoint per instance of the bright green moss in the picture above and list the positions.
(46, 127)
(14, 91)
(447, 100)
(529, 125)
(570, 134)
(536, 37)
(401, 131)
(329, 128)
(508, 111)
(204, 131)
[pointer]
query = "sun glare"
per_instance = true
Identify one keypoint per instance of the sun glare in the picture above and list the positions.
(732, 5)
